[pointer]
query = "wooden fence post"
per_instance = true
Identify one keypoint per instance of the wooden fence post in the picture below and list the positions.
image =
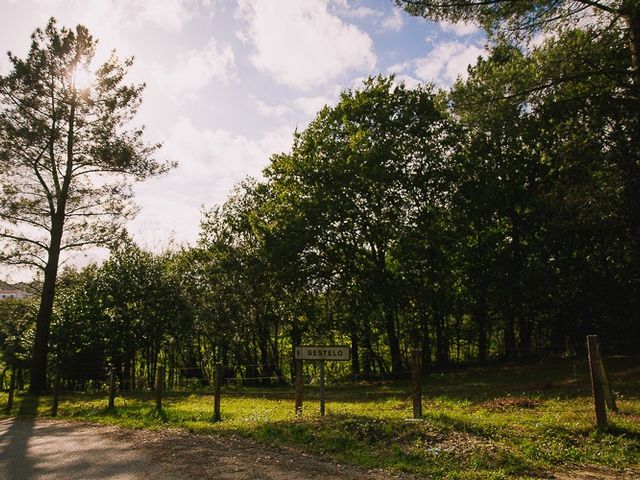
(298, 364)
(112, 388)
(416, 379)
(596, 383)
(159, 388)
(56, 395)
(606, 387)
(12, 387)
(216, 393)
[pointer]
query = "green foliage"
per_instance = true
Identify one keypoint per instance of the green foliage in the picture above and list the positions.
(17, 321)
(78, 336)
(127, 312)
(362, 176)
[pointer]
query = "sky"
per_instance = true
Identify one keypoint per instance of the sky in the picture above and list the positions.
(229, 81)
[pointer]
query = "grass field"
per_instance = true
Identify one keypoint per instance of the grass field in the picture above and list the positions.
(492, 423)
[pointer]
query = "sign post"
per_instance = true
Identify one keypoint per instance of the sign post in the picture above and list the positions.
(298, 366)
(322, 388)
(322, 354)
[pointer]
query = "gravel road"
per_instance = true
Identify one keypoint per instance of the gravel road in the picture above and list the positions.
(43, 449)
(57, 450)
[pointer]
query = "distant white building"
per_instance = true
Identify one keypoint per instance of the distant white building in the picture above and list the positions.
(13, 293)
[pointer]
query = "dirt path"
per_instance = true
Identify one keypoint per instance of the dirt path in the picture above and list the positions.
(62, 450)
(46, 450)
(57, 450)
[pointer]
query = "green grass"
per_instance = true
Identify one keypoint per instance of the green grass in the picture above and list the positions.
(494, 423)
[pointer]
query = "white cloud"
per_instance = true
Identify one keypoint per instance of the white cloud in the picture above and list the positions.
(168, 14)
(211, 162)
(394, 22)
(212, 153)
(343, 8)
(208, 157)
(267, 110)
(118, 24)
(408, 81)
(539, 39)
(312, 105)
(276, 140)
(459, 28)
(197, 68)
(400, 71)
(300, 44)
(448, 61)
(400, 67)
(362, 12)
(358, 83)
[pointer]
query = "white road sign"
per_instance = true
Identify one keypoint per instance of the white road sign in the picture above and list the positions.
(332, 352)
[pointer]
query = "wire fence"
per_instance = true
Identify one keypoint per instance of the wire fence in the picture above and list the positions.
(276, 387)
(238, 378)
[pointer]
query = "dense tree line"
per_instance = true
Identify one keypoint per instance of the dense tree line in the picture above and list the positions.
(497, 219)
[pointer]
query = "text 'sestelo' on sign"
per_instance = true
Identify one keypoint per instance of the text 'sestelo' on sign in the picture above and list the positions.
(332, 353)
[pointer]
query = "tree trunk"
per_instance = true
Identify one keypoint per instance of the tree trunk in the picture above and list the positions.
(40, 350)
(524, 327)
(296, 341)
(266, 366)
(126, 374)
(442, 341)
(632, 18)
(355, 361)
(509, 335)
(481, 319)
(20, 379)
(424, 337)
(276, 363)
(394, 343)
(367, 358)
(38, 383)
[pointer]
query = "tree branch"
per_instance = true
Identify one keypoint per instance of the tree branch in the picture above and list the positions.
(18, 238)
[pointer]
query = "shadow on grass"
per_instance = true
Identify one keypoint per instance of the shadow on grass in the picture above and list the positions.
(28, 406)
(618, 431)
(161, 415)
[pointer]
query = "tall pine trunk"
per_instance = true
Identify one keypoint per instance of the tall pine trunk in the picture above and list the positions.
(38, 383)
(40, 350)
